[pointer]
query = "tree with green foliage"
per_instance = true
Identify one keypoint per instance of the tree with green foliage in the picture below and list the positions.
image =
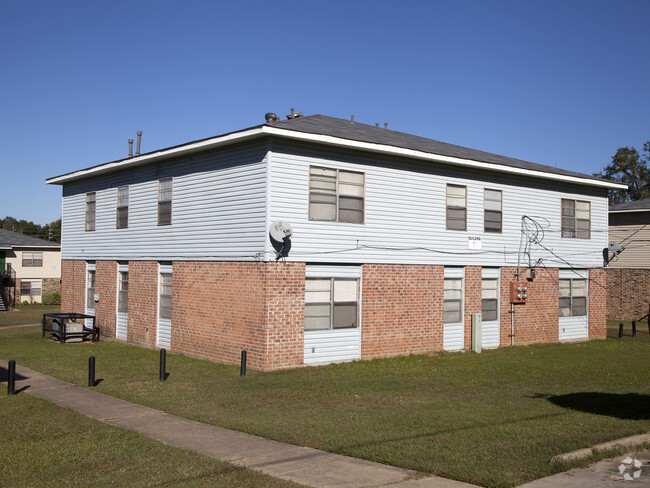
(632, 169)
(48, 232)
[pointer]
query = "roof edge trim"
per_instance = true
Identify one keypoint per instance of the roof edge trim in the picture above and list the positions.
(413, 153)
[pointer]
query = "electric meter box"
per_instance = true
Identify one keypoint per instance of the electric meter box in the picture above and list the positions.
(518, 291)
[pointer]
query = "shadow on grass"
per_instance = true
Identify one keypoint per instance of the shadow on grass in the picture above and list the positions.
(626, 406)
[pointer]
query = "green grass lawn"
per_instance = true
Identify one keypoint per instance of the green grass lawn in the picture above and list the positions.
(44, 445)
(493, 419)
(27, 314)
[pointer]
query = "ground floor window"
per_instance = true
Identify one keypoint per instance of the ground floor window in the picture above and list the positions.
(123, 292)
(490, 299)
(573, 297)
(90, 289)
(331, 303)
(30, 289)
(453, 300)
(165, 296)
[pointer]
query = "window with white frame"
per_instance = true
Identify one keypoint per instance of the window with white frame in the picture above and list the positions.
(122, 217)
(165, 310)
(30, 288)
(90, 210)
(331, 303)
(490, 299)
(456, 207)
(123, 292)
(576, 218)
(453, 306)
(492, 210)
(573, 297)
(90, 289)
(165, 187)
(336, 195)
(33, 259)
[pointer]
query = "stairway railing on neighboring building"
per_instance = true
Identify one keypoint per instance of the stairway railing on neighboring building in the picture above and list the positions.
(7, 281)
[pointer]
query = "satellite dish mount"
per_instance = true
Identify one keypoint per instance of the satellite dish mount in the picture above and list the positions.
(280, 233)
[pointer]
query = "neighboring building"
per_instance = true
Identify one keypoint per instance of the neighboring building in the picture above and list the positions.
(628, 276)
(397, 241)
(29, 267)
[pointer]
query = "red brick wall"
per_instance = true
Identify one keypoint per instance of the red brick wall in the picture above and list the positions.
(143, 303)
(473, 297)
(402, 309)
(218, 310)
(73, 286)
(628, 293)
(537, 320)
(597, 302)
(283, 329)
(106, 288)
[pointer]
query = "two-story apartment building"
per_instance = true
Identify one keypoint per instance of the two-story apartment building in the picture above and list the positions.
(29, 267)
(397, 241)
(628, 273)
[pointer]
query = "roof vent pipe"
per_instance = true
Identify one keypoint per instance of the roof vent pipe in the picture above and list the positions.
(294, 115)
(270, 117)
(130, 148)
(385, 125)
(352, 118)
(137, 147)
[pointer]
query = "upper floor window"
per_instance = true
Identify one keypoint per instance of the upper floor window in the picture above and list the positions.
(90, 210)
(122, 207)
(456, 207)
(336, 195)
(576, 219)
(32, 259)
(573, 297)
(165, 201)
(492, 210)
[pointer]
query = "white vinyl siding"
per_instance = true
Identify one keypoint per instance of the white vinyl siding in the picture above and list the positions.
(165, 281)
(219, 211)
(405, 218)
(453, 336)
(332, 313)
(122, 313)
(573, 292)
(490, 301)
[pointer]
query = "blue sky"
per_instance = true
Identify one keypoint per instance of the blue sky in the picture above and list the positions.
(563, 83)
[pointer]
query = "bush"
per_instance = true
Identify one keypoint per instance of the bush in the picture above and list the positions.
(51, 298)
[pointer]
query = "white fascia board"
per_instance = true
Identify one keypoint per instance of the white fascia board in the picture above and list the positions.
(157, 155)
(412, 153)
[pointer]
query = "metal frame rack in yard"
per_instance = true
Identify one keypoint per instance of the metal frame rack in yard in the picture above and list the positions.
(65, 326)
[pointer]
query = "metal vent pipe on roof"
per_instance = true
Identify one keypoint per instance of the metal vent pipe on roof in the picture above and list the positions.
(137, 147)
(271, 117)
(130, 148)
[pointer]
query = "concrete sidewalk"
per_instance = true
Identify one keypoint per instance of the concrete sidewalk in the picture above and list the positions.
(299, 464)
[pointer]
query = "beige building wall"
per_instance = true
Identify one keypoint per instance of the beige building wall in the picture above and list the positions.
(44, 278)
(632, 229)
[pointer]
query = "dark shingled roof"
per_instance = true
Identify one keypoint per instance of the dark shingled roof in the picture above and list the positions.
(346, 129)
(639, 205)
(10, 239)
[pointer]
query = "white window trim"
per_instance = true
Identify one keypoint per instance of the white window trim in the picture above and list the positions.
(456, 273)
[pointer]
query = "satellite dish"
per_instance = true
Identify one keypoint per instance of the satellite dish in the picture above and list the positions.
(280, 233)
(615, 247)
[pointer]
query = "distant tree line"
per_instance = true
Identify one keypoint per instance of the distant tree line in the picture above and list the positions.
(628, 166)
(48, 232)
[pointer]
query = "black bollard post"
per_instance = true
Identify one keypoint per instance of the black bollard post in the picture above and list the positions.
(163, 364)
(634, 328)
(620, 331)
(11, 381)
(242, 368)
(91, 371)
